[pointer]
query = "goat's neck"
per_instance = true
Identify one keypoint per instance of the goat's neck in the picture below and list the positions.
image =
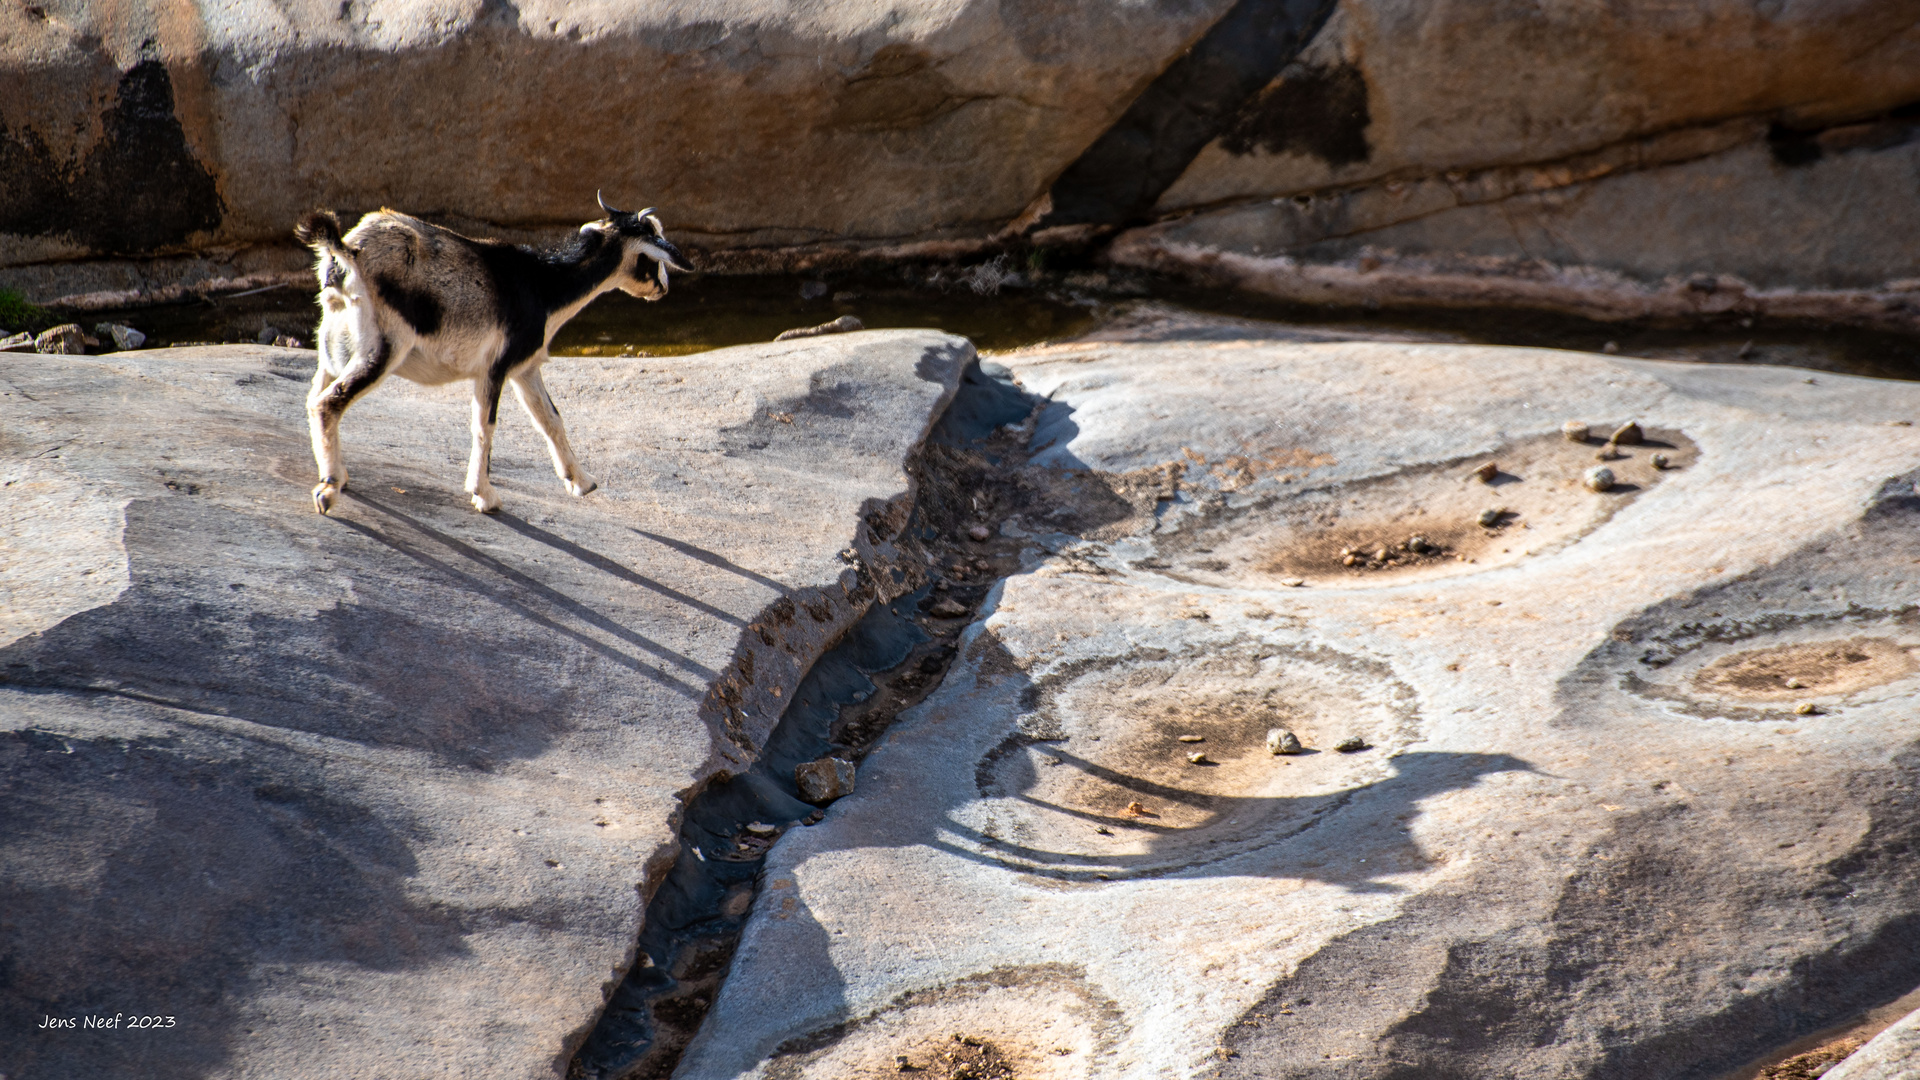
(571, 282)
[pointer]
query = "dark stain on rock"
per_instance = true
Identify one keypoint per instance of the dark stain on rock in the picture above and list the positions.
(1317, 111)
(138, 189)
(1193, 102)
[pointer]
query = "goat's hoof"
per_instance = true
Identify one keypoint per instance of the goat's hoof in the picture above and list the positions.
(323, 496)
(581, 484)
(487, 503)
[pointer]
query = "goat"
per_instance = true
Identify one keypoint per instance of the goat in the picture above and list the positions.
(402, 297)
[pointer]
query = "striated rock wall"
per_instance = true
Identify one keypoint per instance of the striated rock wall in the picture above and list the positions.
(149, 150)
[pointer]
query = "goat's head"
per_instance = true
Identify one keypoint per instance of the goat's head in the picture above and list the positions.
(648, 252)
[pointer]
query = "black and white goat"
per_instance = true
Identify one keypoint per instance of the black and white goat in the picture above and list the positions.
(402, 297)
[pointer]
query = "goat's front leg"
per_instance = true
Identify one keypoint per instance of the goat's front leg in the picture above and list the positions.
(531, 389)
(486, 413)
(327, 402)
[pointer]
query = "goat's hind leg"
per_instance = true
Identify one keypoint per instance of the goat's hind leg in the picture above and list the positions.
(531, 389)
(328, 400)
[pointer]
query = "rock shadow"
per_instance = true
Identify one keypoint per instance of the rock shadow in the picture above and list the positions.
(155, 875)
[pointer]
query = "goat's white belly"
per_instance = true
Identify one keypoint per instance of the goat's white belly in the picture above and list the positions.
(445, 358)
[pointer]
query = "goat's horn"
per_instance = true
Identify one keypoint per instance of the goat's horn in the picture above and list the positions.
(597, 197)
(648, 212)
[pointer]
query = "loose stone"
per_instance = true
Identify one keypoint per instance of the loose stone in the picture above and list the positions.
(1139, 809)
(1381, 554)
(1795, 684)
(21, 342)
(947, 608)
(1353, 745)
(979, 532)
(1418, 545)
(1628, 434)
(124, 337)
(1807, 708)
(1353, 560)
(1293, 582)
(761, 828)
(1599, 478)
(1660, 461)
(1282, 741)
(824, 780)
(1198, 759)
(1487, 471)
(1574, 430)
(67, 339)
(1193, 738)
(1490, 518)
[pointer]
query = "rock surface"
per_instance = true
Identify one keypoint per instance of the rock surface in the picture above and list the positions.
(1591, 836)
(1894, 1054)
(148, 150)
(384, 794)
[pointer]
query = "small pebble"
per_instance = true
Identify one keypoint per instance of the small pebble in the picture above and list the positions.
(1628, 434)
(1293, 582)
(1418, 545)
(1490, 518)
(1193, 738)
(1599, 478)
(761, 828)
(1352, 560)
(1660, 461)
(1795, 684)
(979, 532)
(1138, 809)
(1282, 741)
(947, 608)
(1198, 759)
(1806, 708)
(1487, 471)
(1610, 348)
(1381, 554)
(1353, 745)
(1104, 831)
(1574, 430)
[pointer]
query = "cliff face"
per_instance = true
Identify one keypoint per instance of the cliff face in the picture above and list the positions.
(149, 147)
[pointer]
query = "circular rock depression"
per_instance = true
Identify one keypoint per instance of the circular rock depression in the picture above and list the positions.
(1034, 1023)
(1359, 533)
(1745, 672)
(1097, 782)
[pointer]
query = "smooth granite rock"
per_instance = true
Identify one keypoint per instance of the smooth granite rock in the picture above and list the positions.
(385, 793)
(1894, 1054)
(1591, 835)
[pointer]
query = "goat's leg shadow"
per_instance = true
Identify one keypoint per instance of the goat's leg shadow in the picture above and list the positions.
(327, 403)
(531, 389)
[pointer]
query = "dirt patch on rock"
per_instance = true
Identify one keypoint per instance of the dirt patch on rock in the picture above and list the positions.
(1019, 1024)
(1141, 766)
(1431, 521)
(1809, 669)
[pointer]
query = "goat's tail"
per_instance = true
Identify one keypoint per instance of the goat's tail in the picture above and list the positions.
(320, 230)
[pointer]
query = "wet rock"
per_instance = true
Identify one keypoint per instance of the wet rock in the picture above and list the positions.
(1282, 741)
(824, 780)
(66, 339)
(356, 767)
(1598, 478)
(124, 337)
(1574, 430)
(1628, 434)
(845, 324)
